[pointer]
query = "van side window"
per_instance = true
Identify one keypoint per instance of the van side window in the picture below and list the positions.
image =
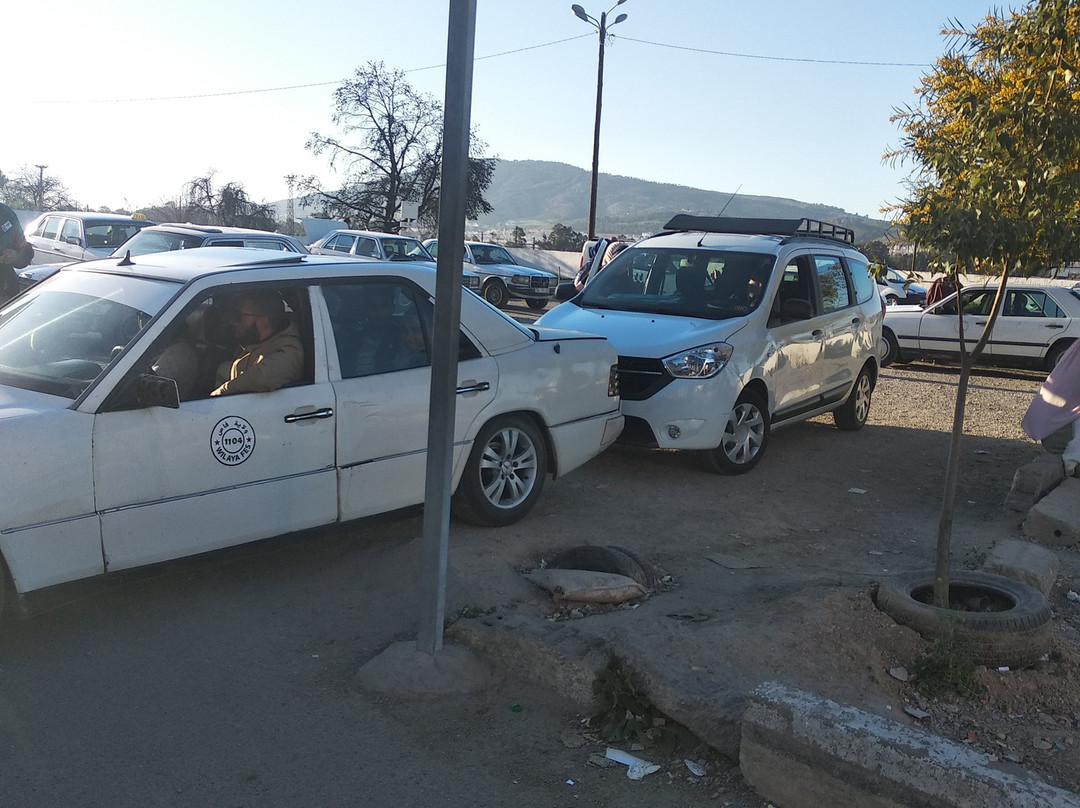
(832, 280)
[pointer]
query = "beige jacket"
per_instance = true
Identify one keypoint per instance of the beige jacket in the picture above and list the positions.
(276, 362)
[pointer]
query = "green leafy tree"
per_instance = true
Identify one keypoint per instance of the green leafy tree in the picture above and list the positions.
(562, 237)
(517, 238)
(389, 150)
(995, 141)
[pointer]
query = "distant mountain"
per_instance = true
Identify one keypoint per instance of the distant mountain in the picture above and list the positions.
(537, 194)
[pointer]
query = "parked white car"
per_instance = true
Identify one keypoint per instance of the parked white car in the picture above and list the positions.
(727, 328)
(503, 278)
(898, 289)
(111, 466)
(1037, 323)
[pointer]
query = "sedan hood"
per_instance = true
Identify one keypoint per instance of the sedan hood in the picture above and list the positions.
(508, 270)
(18, 403)
(635, 333)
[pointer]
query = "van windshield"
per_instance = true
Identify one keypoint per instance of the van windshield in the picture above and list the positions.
(706, 283)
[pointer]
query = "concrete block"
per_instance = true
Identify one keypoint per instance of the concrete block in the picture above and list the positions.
(1026, 562)
(1033, 481)
(803, 751)
(1055, 519)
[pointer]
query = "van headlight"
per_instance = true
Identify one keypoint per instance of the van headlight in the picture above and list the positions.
(703, 362)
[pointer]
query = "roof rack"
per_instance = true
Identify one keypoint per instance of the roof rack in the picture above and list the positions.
(762, 227)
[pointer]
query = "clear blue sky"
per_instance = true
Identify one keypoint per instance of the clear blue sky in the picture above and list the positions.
(125, 102)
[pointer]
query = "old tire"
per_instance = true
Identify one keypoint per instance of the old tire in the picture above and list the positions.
(1015, 632)
(495, 294)
(536, 304)
(504, 474)
(851, 416)
(745, 437)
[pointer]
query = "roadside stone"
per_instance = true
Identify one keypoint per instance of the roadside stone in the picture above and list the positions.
(1026, 562)
(1055, 519)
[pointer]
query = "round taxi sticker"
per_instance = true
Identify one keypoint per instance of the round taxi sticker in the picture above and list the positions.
(232, 441)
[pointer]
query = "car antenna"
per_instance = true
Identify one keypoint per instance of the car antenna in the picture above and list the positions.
(126, 260)
(721, 213)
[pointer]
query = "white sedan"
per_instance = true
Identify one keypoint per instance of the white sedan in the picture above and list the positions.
(112, 464)
(1035, 326)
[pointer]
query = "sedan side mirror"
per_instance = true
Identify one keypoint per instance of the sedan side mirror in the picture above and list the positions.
(157, 391)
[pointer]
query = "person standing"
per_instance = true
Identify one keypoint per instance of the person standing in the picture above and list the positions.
(15, 253)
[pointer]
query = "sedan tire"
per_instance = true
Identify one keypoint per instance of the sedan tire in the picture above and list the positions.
(495, 294)
(536, 305)
(504, 475)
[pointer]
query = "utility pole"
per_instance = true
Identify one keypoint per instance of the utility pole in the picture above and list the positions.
(39, 192)
(601, 26)
(290, 211)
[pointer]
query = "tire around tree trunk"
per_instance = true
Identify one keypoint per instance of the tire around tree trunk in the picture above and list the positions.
(1008, 623)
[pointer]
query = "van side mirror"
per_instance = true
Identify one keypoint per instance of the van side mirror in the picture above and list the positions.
(565, 291)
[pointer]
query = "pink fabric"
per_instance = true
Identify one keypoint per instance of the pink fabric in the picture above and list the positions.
(1057, 404)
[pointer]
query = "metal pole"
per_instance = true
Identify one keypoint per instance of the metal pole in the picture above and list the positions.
(447, 326)
(596, 128)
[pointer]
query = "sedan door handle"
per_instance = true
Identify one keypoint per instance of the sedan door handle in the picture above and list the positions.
(325, 412)
(475, 387)
(1053, 325)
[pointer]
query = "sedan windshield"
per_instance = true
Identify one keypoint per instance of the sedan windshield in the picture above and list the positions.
(491, 254)
(62, 334)
(707, 283)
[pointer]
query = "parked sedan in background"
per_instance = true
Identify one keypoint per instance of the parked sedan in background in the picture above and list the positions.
(1035, 325)
(502, 277)
(896, 289)
(80, 235)
(167, 237)
(153, 467)
(374, 246)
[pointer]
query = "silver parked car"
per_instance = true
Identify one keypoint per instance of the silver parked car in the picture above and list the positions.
(80, 235)
(503, 277)
(168, 237)
(374, 246)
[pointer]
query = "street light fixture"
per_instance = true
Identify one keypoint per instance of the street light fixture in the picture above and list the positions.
(601, 26)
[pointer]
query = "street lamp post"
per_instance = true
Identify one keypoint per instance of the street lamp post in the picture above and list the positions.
(601, 26)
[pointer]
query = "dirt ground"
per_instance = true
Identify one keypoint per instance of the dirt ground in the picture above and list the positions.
(843, 647)
(232, 680)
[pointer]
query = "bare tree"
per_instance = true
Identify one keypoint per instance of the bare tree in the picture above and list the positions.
(32, 188)
(389, 150)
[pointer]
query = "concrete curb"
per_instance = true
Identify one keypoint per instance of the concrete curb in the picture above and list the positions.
(1055, 519)
(803, 751)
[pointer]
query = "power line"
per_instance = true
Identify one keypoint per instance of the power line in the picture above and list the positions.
(285, 88)
(773, 58)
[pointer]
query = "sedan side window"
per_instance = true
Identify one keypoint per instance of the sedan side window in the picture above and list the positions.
(71, 232)
(340, 243)
(377, 328)
(1030, 304)
(50, 228)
